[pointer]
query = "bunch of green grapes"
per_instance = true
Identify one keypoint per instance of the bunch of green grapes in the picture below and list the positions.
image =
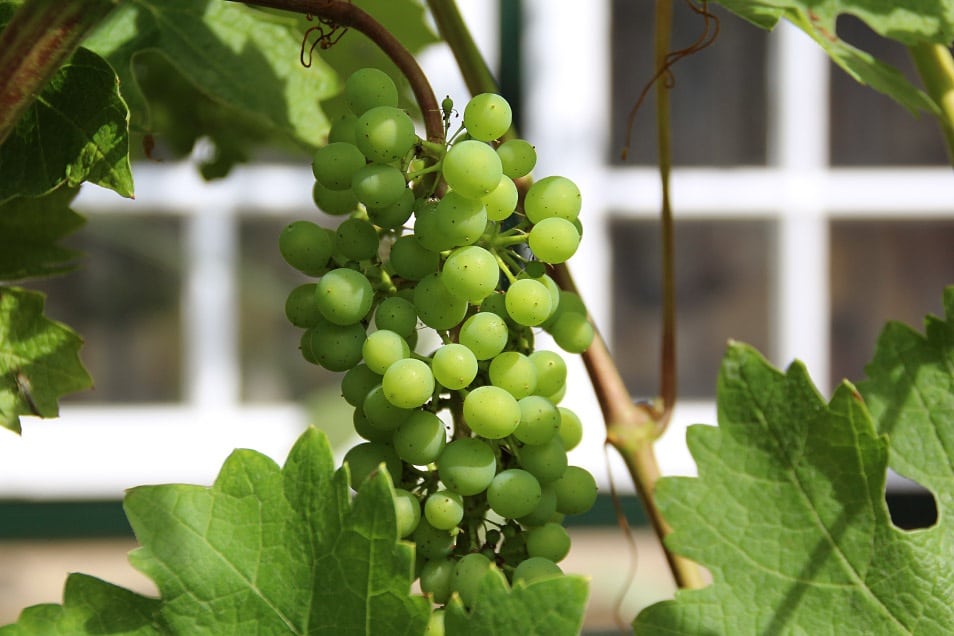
(432, 238)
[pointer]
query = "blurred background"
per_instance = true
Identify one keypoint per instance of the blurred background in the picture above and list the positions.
(810, 210)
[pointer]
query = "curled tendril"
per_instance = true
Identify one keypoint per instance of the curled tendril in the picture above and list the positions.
(329, 32)
(710, 32)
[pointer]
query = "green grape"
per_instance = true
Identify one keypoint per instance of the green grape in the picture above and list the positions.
(468, 573)
(408, 383)
(517, 157)
(437, 307)
(437, 577)
(502, 200)
(552, 196)
(430, 542)
(334, 202)
(472, 168)
(344, 296)
(365, 458)
(396, 314)
(551, 371)
(381, 413)
(487, 116)
(467, 466)
(514, 493)
(547, 461)
(395, 215)
(301, 308)
(382, 348)
(408, 511)
(497, 304)
(427, 228)
(550, 541)
(356, 239)
(572, 332)
(544, 510)
(444, 509)
(306, 247)
(570, 302)
(576, 491)
(471, 273)
(460, 220)
(547, 282)
(420, 438)
(536, 569)
(539, 420)
(367, 88)
(384, 134)
(411, 260)
(378, 185)
(491, 412)
(342, 129)
(513, 372)
(357, 383)
(454, 366)
(334, 347)
(335, 164)
(485, 334)
(435, 624)
(364, 428)
(571, 429)
(528, 302)
(553, 240)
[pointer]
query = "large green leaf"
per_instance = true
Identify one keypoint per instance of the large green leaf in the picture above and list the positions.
(264, 551)
(75, 131)
(245, 59)
(788, 514)
(30, 229)
(39, 359)
(908, 22)
(549, 607)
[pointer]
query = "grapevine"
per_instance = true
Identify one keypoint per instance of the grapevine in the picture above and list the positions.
(429, 297)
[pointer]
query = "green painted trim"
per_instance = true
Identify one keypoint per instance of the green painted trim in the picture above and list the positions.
(62, 519)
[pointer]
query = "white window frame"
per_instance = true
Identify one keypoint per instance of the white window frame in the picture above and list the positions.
(97, 450)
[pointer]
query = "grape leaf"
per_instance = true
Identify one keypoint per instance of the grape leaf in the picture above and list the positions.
(30, 229)
(245, 59)
(39, 359)
(910, 393)
(788, 514)
(90, 606)
(548, 607)
(75, 131)
(912, 22)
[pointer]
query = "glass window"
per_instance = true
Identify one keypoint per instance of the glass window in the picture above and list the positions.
(723, 278)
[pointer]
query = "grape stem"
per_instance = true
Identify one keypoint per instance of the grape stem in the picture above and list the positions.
(346, 14)
(936, 67)
(630, 428)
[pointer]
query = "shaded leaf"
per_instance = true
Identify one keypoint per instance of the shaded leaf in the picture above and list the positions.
(90, 606)
(75, 131)
(30, 228)
(549, 607)
(39, 359)
(788, 514)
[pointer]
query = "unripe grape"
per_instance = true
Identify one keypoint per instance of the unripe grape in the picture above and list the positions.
(485, 334)
(544, 510)
(334, 165)
(382, 348)
(394, 215)
(306, 246)
(517, 157)
(468, 573)
(342, 129)
(501, 202)
(571, 429)
(539, 420)
(334, 202)
(576, 491)
(396, 314)
(471, 273)
(385, 134)
(411, 260)
(357, 383)
(444, 509)
(430, 542)
(301, 309)
(408, 511)
(437, 578)
(514, 493)
(335, 347)
(572, 332)
(553, 240)
(528, 302)
(552, 197)
(364, 459)
(550, 541)
(547, 461)
(491, 412)
(513, 372)
(472, 168)
(356, 239)
(367, 88)
(366, 430)
(536, 569)
(454, 366)
(467, 466)
(381, 413)
(378, 185)
(420, 439)
(487, 116)
(460, 220)
(436, 306)
(408, 383)
(551, 371)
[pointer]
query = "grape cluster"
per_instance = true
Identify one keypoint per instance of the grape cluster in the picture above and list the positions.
(435, 240)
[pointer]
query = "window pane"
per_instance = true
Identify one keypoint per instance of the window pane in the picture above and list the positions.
(722, 286)
(718, 100)
(880, 271)
(124, 300)
(272, 366)
(869, 128)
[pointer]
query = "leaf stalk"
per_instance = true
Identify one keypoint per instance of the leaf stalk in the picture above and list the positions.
(936, 67)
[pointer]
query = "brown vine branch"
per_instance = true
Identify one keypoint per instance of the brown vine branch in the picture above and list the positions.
(36, 42)
(345, 14)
